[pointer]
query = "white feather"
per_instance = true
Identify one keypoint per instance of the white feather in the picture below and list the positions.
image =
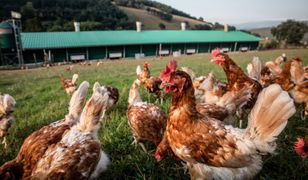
(138, 70)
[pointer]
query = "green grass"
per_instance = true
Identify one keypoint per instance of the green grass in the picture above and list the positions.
(42, 100)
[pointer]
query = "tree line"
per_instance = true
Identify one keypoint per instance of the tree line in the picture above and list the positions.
(59, 15)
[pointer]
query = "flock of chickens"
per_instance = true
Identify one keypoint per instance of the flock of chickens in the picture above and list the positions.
(201, 128)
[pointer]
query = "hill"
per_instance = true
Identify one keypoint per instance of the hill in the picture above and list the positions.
(263, 32)
(266, 32)
(258, 24)
(151, 21)
(58, 15)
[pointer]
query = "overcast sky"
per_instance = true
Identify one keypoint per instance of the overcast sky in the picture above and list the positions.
(242, 11)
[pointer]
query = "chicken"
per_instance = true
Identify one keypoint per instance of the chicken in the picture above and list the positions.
(78, 154)
(69, 85)
(211, 97)
(73, 153)
(69, 68)
(207, 88)
(98, 63)
(36, 144)
(266, 77)
(274, 66)
(7, 104)
(226, 107)
(254, 69)
(261, 74)
(150, 83)
(191, 73)
(223, 109)
(284, 77)
(299, 92)
(306, 72)
(213, 150)
(113, 96)
(236, 78)
(210, 90)
(147, 121)
(143, 75)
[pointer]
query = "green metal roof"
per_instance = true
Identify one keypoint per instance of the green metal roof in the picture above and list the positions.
(41, 40)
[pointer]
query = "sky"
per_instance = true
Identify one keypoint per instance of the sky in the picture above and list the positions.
(242, 11)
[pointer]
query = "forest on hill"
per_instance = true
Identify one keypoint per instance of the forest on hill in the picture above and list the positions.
(59, 15)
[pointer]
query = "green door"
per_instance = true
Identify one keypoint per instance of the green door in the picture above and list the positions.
(130, 51)
(97, 52)
(149, 50)
(178, 47)
(204, 48)
(59, 55)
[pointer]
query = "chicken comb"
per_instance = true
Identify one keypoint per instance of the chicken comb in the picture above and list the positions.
(215, 52)
(170, 67)
(299, 146)
(173, 65)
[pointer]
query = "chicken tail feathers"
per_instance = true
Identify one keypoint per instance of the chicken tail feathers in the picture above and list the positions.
(269, 117)
(254, 69)
(134, 95)
(62, 79)
(93, 110)
(138, 70)
(78, 99)
(74, 78)
(11, 170)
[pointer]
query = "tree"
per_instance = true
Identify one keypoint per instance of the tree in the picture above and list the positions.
(202, 27)
(33, 25)
(290, 32)
(162, 26)
(28, 10)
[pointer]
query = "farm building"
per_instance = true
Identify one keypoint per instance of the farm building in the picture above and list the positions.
(80, 45)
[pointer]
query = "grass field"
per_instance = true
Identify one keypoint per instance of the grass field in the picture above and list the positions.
(42, 100)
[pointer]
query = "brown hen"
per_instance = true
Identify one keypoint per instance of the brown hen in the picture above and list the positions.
(213, 150)
(147, 121)
(69, 85)
(150, 83)
(236, 77)
(36, 145)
